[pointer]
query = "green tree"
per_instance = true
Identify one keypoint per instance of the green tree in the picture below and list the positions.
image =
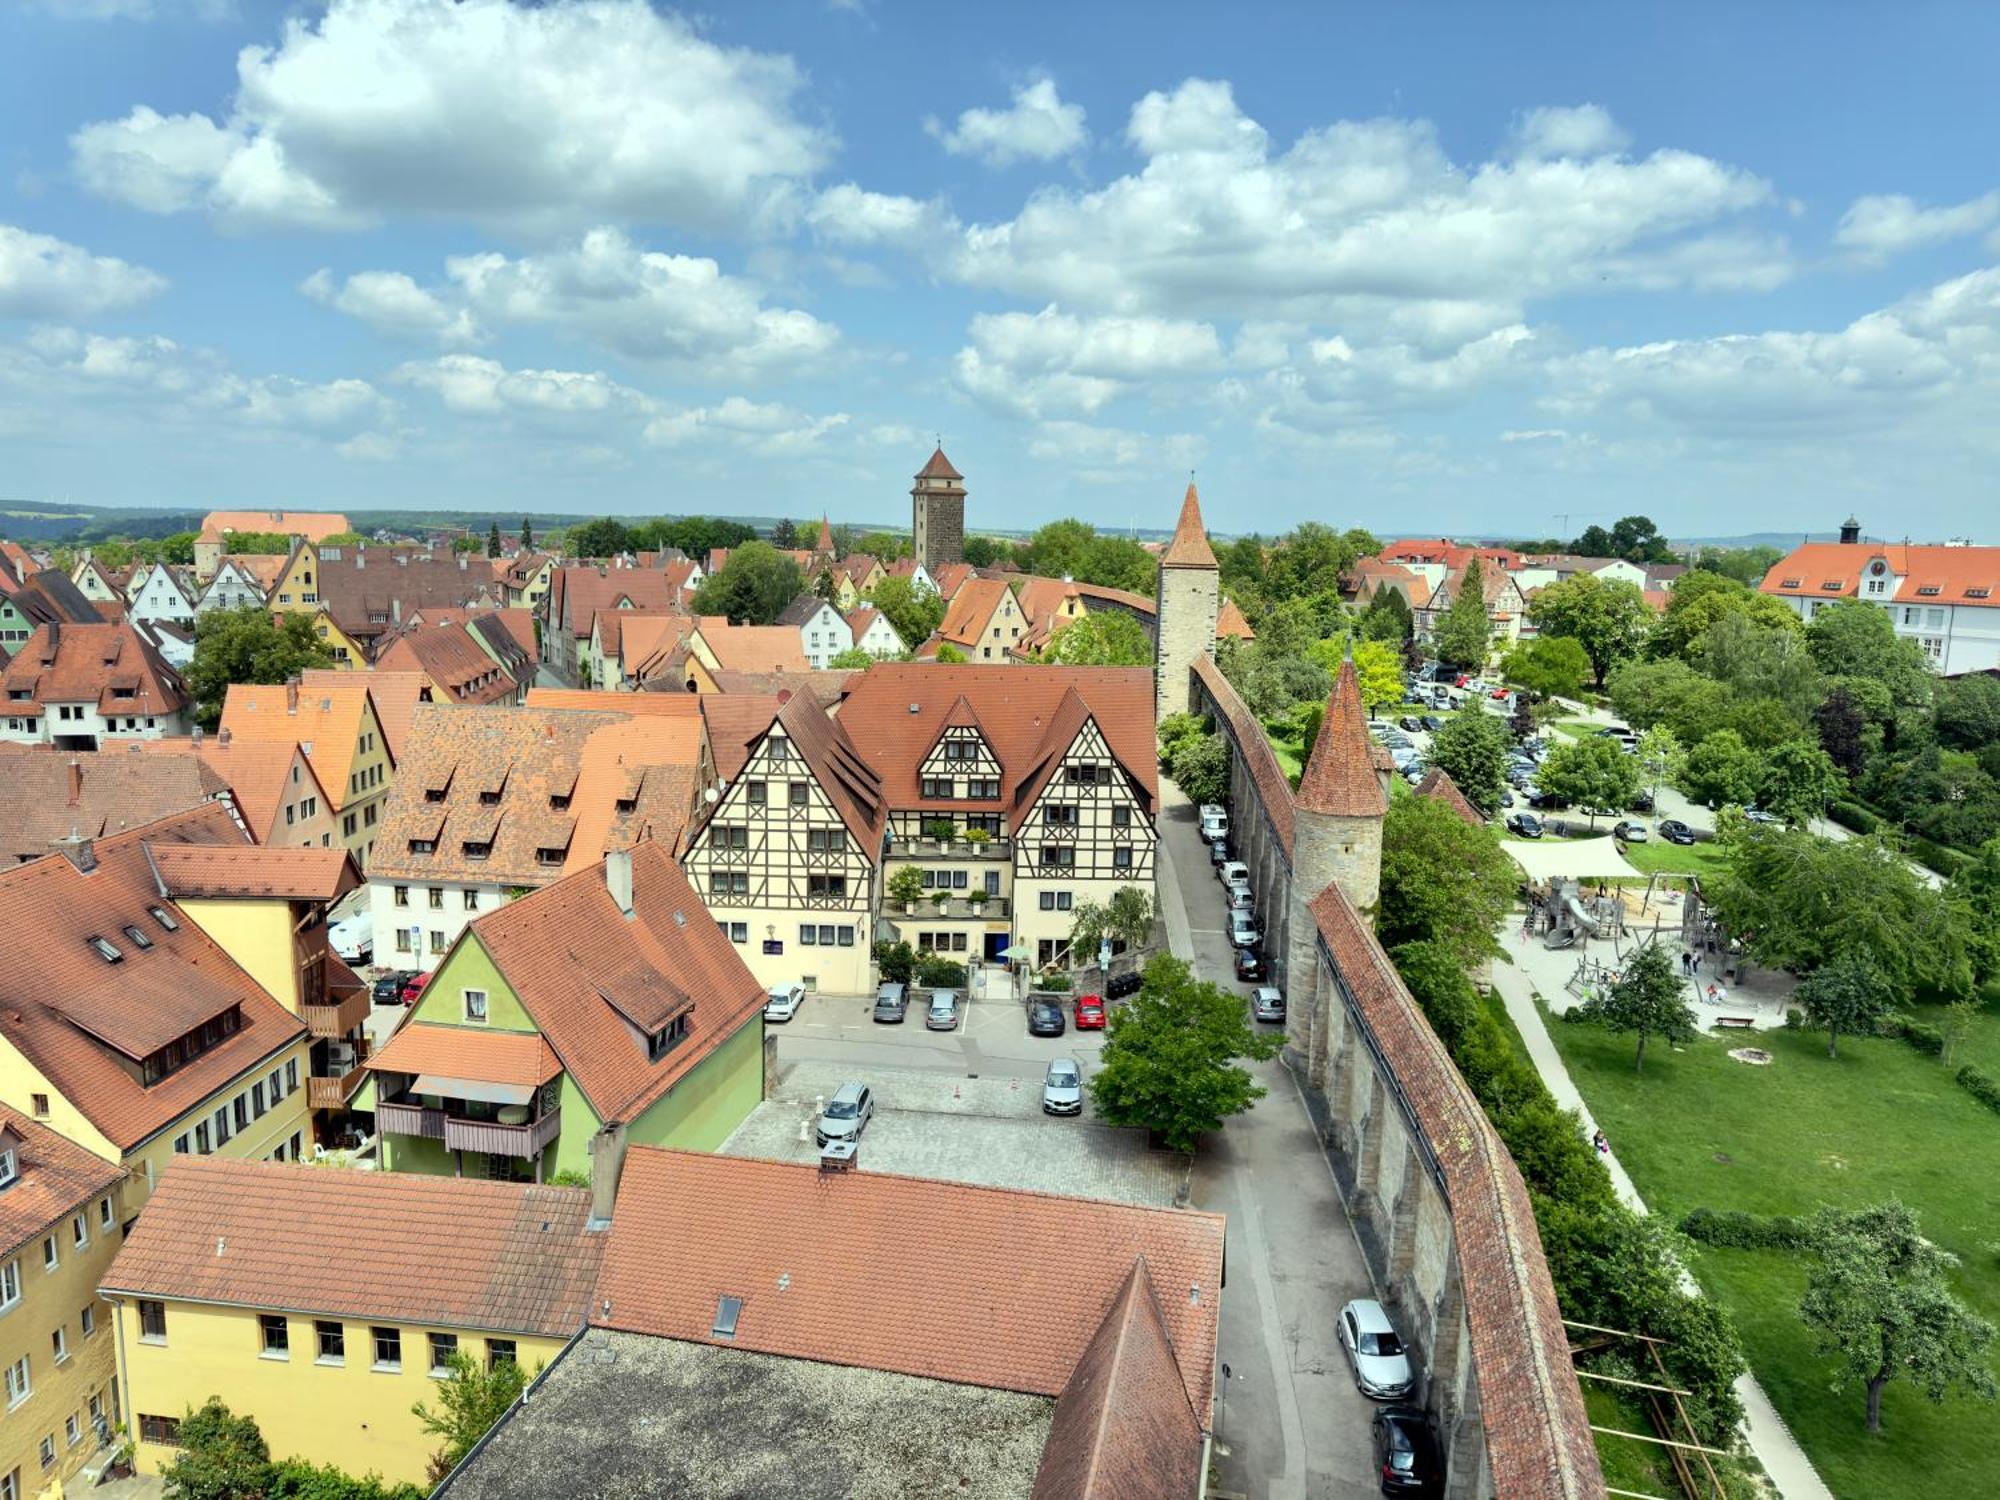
(527, 535)
(1102, 638)
(1554, 666)
(1879, 1302)
(1699, 599)
(1608, 619)
(1975, 892)
(1649, 999)
(1661, 759)
(1842, 730)
(887, 545)
(221, 1457)
(896, 962)
(1126, 918)
(785, 534)
(1388, 617)
(1176, 729)
(1437, 981)
(986, 551)
(949, 654)
(1172, 1058)
(1594, 773)
(1798, 781)
(1463, 632)
(1311, 558)
(1378, 672)
(601, 538)
(493, 540)
(1849, 994)
(1472, 750)
(1443, 880)
(467, 544)
(916, 612)
(1671, 693)
(853, 659)
(1853, 638)
(298, 1479)
(753, 587)
(823, 585)
(1721, 769)
(247, 645)
(1967, 711)
(1076, 549)
(1745, 565)
(1200, 768)
(469, 1401)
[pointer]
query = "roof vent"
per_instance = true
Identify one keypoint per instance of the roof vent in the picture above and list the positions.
(220, 1244)
(916, 708)
(680, 919)
(726, 1313)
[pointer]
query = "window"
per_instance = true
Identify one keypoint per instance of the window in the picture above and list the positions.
(48, 1450)
(59, 1341)
(9, 1168)
(825, 840)
(739, 932)
(402, 891)
(332, 1340)
(50, 1259)
(39, 1105)
(1058, 856)
(1060, 815)
(800, 793)
(19, 1386)
(222, 1130)
(437, 898)
(807, 934)
(257, 1099)
(277, 1085)
(499, 1352)
(443, 1347)
(292, 1076)
(728, 883)
(1121, 857)
(388, 1348)
(982, 787)
(475, 1004)
(1121, 817)
(729, 836)
(753, 793)
(159, 1429)
(275, 1329)
(201, 1145)
(830, 886)
(846, 936)
(89, 1319)
(73, 1428)
(152, 1321)
(240, 1107)
(79, 1230)
(472, 897)
(139, 939)
(937, 786)
(437, 941)
(1084, 775)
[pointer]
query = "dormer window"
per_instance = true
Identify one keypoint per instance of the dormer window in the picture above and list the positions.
(548, 856)
(164, 918)
(433, 794)
(475, 849)
(10, 1168)
(489, 799)
(559, 802)
(423, 846)
(663, 1041)
(1789, 583)
(105, 949)
(1929, 590)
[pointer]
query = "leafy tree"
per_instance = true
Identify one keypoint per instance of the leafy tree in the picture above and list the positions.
(1635, 539)
(985, 551)
(1608, 619)
(1878, 1300)
(221, 1457)
(469, 1401)
(527, 535)
(1273, 683)
(1463, 632)
(853, 659)
(247, 645)
(823, 585)
(1721, 769)
(1596, 774)
(1378, 672)
(887, 545)
(600, 538)
(1853, 638)
(915, 612)
(1472, 750)
(1437, 981)
(753, 587)
(493, 540)
(1671, 693)
(897, 962)
(176, 547)
(1746, 565)
(1554, 666)
(1200, 768)
(1388, 616)
(1840, 726)
(1126, 918)
(1171, 1057)
(950, 654)
(1798, 780)
(1311, 558)
(1649, 999)
(1177, 729)
(1661, 759)
(1102, 638)
(297, 1479)
(1975, 892)
(466, 544)
(1968, 711)
(1075, 549)
(1848, 994)
(1443, 880)
(1699, 599)
(785, 534)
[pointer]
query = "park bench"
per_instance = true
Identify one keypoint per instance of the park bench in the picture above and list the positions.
(1739, 1022)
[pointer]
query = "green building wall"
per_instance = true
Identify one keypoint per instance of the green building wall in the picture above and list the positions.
(699, 1112)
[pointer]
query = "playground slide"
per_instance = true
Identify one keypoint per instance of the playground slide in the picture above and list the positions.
(1582, 918)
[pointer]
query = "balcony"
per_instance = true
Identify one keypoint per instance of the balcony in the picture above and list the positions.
(992, 909)
(333, 1093)
(409, 1119)
(525, 1140)
(338, 1018)
(923, 848)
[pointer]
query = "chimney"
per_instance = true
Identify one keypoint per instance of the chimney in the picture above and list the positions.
(195, 733)
(607, 1161)
(292, 696)
(221, 738)
(360, 558)
(618, 879)
(77, 850)
(75, 781)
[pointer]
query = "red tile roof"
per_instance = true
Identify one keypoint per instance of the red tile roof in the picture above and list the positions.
(1437, 784)
(1274, 792)
(577, 594)
(57, 1177)
(217, 870)
(1935, 575)
(937, 466)
(326, 719)
(450, 1252)
(393, 695)
(1340, 778)
(110, 666)
(256, 774)
(314, 526)
(45, 793)
(1189, 548)
(1231, 624)
(70, 1013)
(514, 1057)
(454, 662)
(735, 722)
(754, 648)
(641, 705)
(842, 1268)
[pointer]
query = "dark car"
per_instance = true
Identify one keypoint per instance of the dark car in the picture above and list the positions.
(1410, 722)
(1674, 831)
(1506, 799)
(388, 988)
(1218, 851)
(1045, 1018)
(1525, 824)
(1432, 723)
(1546, 800)
(1406, 1452)
(1643, 803)
(1249, 966)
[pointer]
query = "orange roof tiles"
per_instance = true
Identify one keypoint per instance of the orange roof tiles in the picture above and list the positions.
(579, 593)
(937, 466)
(857, 1253)
(848, 779)
(1340, 778)
(46, 794)
(515, 1057)
(754, 648)
(392, 694)
(454, 662)
(971, 606)
(450, 1252)
(109, 666)
(327, 721)
(1935, 575)
(216, 870)
(314, 526)
(1438, 785)
(735, 721)
(1189, 548)
(1274, 792)
(1231, 624)
(257, 775)
(57, 1177)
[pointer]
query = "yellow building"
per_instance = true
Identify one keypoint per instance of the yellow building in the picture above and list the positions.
(132, 1032)
(348, 654)
(336, 724)
(60, 1223)
(226, 1288)
(297, 588)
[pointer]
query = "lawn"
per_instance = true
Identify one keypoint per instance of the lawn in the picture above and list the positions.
(1656, 855)
(1701, 1129)
(1576, 729)
(1285, 744)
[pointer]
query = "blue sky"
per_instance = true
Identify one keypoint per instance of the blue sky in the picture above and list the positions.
(1461, 268)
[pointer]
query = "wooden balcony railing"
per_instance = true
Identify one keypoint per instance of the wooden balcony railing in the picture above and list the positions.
(333, 1093)
(410, 1119)
(502, 1140)
(339, 1018)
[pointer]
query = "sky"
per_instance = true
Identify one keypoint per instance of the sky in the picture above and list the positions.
(1420, 267)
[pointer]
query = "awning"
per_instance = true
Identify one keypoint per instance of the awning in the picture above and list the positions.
(476, 1090)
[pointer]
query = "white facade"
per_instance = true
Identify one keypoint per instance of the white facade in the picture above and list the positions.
(416, 922)
(81, 726)
(1957, 638)
(231, 588)
(880, 638)
(160, 597)
(824, 635)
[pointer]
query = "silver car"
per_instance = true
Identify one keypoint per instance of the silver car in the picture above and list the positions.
(1381, 1368)
(1062, 1089)
(1267, 1004)
(1243, 931)
(783, 1002)
(943, 1014)
(846, 1114)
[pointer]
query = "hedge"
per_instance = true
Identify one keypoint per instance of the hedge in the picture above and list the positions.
(1926, 1039)
(1981, 1087)
(1853, 815)
(1946, 862)
(1740, 1231)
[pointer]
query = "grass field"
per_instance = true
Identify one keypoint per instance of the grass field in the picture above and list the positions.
(1701, 1129)
(1657, 854)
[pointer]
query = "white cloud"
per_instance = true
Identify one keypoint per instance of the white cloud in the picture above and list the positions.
(474, 386)
(134, 10)
(1535, 435)
(1337, 385)
(44, 277)
(530, 117)
(1111, 453)
(1038, 126)
(851, 215)
(768, 427)
(1050, 362)
(1586, 130)
(1879, 226)
(393, 305)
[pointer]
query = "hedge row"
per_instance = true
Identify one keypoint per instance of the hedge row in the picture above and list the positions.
(1854, 816)
(1946, 862)
(1741, 1231)
(1980, 1086)
(1926, 1039)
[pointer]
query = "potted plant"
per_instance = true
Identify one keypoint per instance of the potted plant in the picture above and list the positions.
(977, 836)
(944, 903)
(944, 830)
(976, 898)
(907, 886)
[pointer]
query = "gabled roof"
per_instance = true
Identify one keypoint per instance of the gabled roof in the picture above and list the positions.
(448, 1252)
(50, 598)
(825, 688)
(393, 695)
(1230, 623)
(1934, 575)
(257, 773)
(735, 723)
(57, 1178)
(1438, 785)
(69, 1012)
(47, 794)
(950, 577)
(1340, 779)
(220, 870)
(111, 666)
(802, 609)
(314, 526)
(937, 466)
(842, 772)
(584, 970)
(754, 648)
(453, 661)
(841, 1268)
(863, 616)
(326, 720)
(370, 591)
(578, 593)
(649, 705)
(970, 608)
(1189, 548)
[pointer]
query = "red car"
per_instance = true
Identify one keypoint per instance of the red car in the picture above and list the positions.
(1089, 1012)
(415, 988)
(1501, 692)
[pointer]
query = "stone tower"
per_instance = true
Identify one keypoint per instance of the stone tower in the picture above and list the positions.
(937, 514)
(1190, 593)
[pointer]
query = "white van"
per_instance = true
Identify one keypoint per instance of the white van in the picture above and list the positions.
(1214, 821)
(1235, 875)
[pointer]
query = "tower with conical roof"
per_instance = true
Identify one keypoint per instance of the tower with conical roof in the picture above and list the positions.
(937, 513)
(1189, 594)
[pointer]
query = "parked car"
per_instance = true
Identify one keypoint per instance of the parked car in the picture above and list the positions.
(1758, 815)
(1395, 739)
(1547, 801)
(1506, 798)
(1643, 803)
(1411, 723)
(1432, 723)
(846, 1114)
(1674, 831)
(353, 938)
(1249, 965)
(1243, 931)
(1374, 1352)
(1234, 872)
(1214, 821)
(1089, 1013)
(413, 988)
(1062, 1088)
(1406, 1452)
(943, 1014)
(1120, 985)
(892, 1003)
(1045, 1018)
(1267, 1004)
(782, 1003)
(388, 988)
(1218, 851)
(1237, 898)
(1630, 832)
(1526, 824)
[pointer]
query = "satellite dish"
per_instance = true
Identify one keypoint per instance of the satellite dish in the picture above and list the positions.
(713, 794)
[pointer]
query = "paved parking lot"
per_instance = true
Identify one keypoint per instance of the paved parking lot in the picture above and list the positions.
(991, 1040)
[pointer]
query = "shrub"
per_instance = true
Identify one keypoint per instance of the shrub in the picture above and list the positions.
(1740, 1231)
(1795, 1018)
(1853, 815)
(940, 973)
(1055, 983)
(1926, 1039)
(1981, 1087)
(897, 962)
(1934, 856)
